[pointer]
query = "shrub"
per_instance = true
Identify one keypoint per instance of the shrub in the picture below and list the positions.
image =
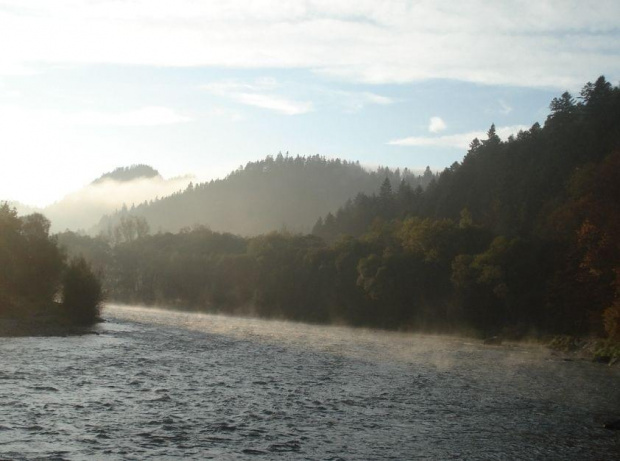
(81, 293)
(611, 317)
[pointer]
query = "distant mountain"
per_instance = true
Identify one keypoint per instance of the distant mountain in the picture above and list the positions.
(284, 192)
(123, 186)
(130, 173)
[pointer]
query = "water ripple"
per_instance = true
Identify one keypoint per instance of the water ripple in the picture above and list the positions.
(160, 385)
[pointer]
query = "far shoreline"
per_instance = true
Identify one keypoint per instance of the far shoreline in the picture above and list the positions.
(565, 347)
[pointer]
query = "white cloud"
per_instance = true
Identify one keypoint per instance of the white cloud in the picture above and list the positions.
(436, 125)
(349, 101)
(459, 141)
(505, 109)
(555, 43)
(225, 113)
(377, 99)
(275, 103)
(228, 87)
(258, 94)
(8, 93)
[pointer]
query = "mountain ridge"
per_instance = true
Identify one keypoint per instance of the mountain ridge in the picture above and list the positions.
(128, 173)
(281, 192)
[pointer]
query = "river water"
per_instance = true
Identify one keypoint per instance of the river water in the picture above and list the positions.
(155, 384)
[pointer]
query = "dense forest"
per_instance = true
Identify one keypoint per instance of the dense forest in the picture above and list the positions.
(37, 283)
(284, 192)
(520, 238)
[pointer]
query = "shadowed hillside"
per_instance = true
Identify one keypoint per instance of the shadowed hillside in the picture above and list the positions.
(274, 193)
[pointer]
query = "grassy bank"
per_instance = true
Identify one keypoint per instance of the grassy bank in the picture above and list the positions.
(595, 349)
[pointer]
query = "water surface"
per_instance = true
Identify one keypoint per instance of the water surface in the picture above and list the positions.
(157, 384)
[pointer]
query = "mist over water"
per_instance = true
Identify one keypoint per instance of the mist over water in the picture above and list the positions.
(160, 384)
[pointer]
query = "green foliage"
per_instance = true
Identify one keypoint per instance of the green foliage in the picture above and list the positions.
(550, 195)
(593, 348)
(81, 293)
(30, 262)
(128, 229)
(608, 348)
(566, 343)
(31, 273)
(611, 319)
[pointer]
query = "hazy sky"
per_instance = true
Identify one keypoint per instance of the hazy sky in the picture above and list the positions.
(204, 86)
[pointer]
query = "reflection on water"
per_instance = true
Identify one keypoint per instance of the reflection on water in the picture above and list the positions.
(157, 384)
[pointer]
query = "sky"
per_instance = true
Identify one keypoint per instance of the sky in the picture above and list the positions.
(202, 87)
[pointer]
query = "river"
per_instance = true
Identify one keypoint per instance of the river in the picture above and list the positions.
(156, 384)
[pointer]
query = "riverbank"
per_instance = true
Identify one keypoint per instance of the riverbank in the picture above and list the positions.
(44, 326)
(598, 350)
(48, 320)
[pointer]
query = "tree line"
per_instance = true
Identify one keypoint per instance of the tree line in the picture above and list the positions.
(37, 281)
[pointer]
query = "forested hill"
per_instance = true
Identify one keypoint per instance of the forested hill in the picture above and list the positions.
(271, 194)
(515, 188)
